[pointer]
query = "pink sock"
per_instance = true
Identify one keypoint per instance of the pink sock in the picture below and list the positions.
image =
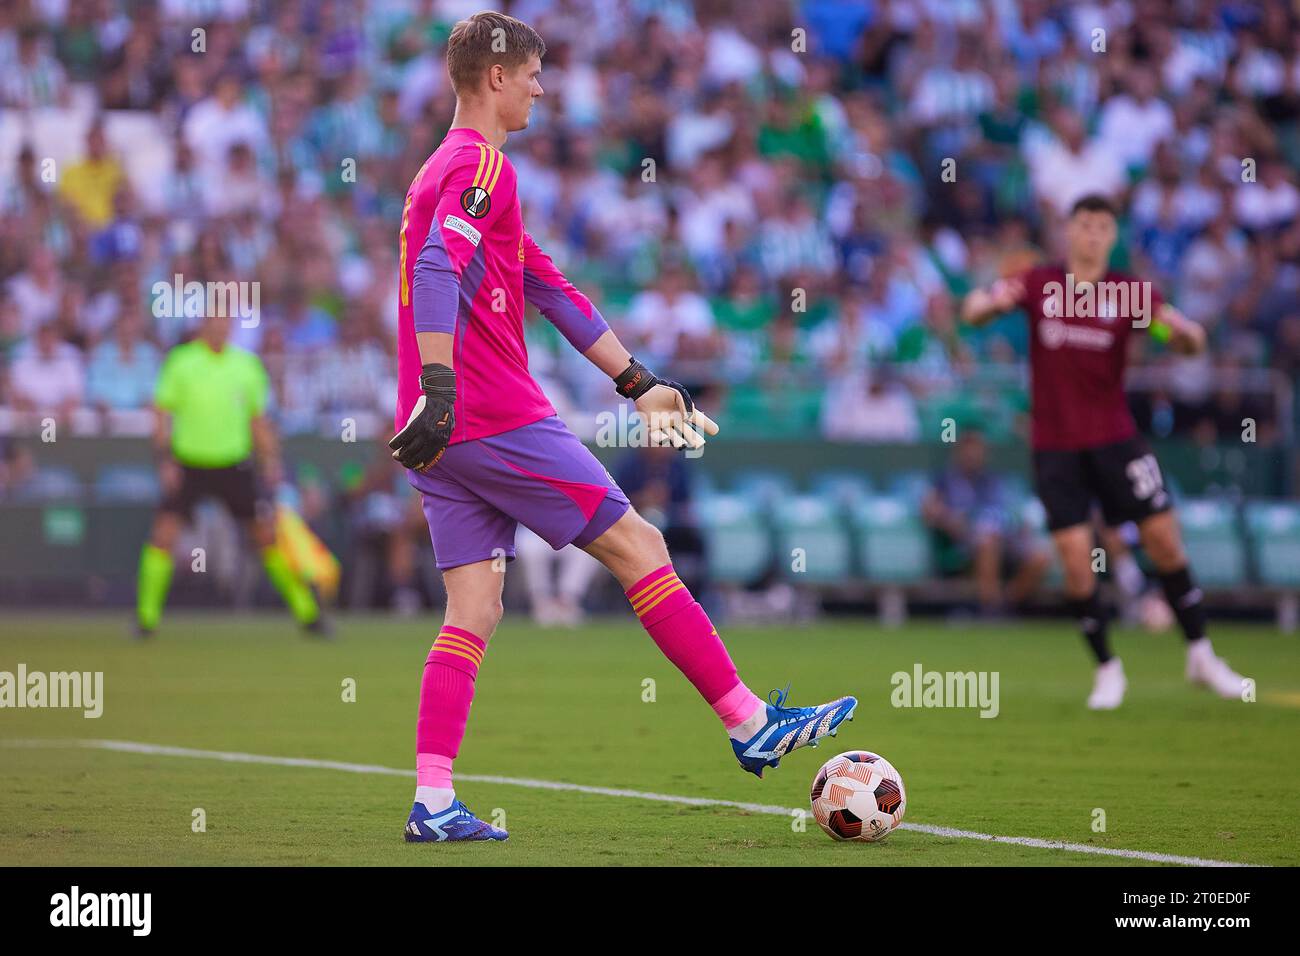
(687, 637)
(445, 695)
(433, 770)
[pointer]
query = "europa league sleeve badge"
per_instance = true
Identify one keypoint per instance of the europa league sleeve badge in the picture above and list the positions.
(476, 201)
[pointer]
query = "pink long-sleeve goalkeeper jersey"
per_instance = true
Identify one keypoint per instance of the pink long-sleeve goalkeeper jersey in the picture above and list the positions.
(467, 268)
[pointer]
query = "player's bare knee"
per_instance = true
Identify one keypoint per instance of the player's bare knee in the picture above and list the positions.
(486, 624)
(631, 548)
(1169, 557)
(480, 619)
(474, 597)
(650, 541)
(1079, 578)
(1162, 543)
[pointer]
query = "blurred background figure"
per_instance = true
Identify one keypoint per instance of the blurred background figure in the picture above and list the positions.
(869, 406)
(388, 534)
(213, 439)
(973, 513)
(557, 581)
(658, 481)
(123, 368)
(1138, 601)
(48, 376)
(17, 469)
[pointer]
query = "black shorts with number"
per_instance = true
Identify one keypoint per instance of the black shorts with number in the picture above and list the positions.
(236, 487)
(1124, 477)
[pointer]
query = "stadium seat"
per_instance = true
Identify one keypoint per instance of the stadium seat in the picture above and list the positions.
(739, 539)
(893, 543)
(1274, 529)
(1215, 547)
(812, 543)
(910, 486)
(843, 489)
(764, 488)
(123, 484)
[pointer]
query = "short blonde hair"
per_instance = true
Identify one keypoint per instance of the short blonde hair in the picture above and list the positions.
(486, 39)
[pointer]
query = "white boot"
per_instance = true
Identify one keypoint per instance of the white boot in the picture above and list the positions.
(1108, 686)
(1207, 669)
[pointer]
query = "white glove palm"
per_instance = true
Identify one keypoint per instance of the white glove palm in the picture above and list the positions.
(673, 417)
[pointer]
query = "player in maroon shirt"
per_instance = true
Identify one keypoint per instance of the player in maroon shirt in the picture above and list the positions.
(1085, 443)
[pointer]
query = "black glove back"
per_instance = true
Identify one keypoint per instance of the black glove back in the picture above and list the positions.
(681, 389)
(424, 438)
(636, 380)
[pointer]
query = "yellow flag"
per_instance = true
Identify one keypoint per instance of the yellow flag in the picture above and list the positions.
(306, 553)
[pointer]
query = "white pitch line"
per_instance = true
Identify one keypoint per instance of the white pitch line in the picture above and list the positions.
(129, 746)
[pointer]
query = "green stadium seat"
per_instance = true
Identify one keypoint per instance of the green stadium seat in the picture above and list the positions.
(738, 536)
(843, 489)
(910, 486)
(1274, 530)
(126, 484)
(812, 542)
(893, 542)
(1215, 547)
(764, 488)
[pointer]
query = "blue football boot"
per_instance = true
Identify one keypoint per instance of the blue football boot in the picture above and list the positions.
(789, 728)
(454, 823)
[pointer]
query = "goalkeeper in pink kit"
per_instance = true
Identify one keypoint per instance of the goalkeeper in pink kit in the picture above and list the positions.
(487, 452)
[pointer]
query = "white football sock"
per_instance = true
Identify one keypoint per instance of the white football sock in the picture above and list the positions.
(752, 725)
(435, 798)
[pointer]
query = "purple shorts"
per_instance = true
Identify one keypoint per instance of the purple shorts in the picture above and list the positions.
(537, 475)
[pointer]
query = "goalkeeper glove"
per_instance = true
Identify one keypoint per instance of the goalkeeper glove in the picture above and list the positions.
(424, 438)
(667, 407)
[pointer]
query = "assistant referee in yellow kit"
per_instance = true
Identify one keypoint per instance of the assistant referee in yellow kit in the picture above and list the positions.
(210, 406)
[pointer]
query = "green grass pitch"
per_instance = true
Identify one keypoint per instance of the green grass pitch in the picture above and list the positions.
(1176, 771)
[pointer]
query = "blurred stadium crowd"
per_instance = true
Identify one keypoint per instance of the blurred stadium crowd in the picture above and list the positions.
(793, 237)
